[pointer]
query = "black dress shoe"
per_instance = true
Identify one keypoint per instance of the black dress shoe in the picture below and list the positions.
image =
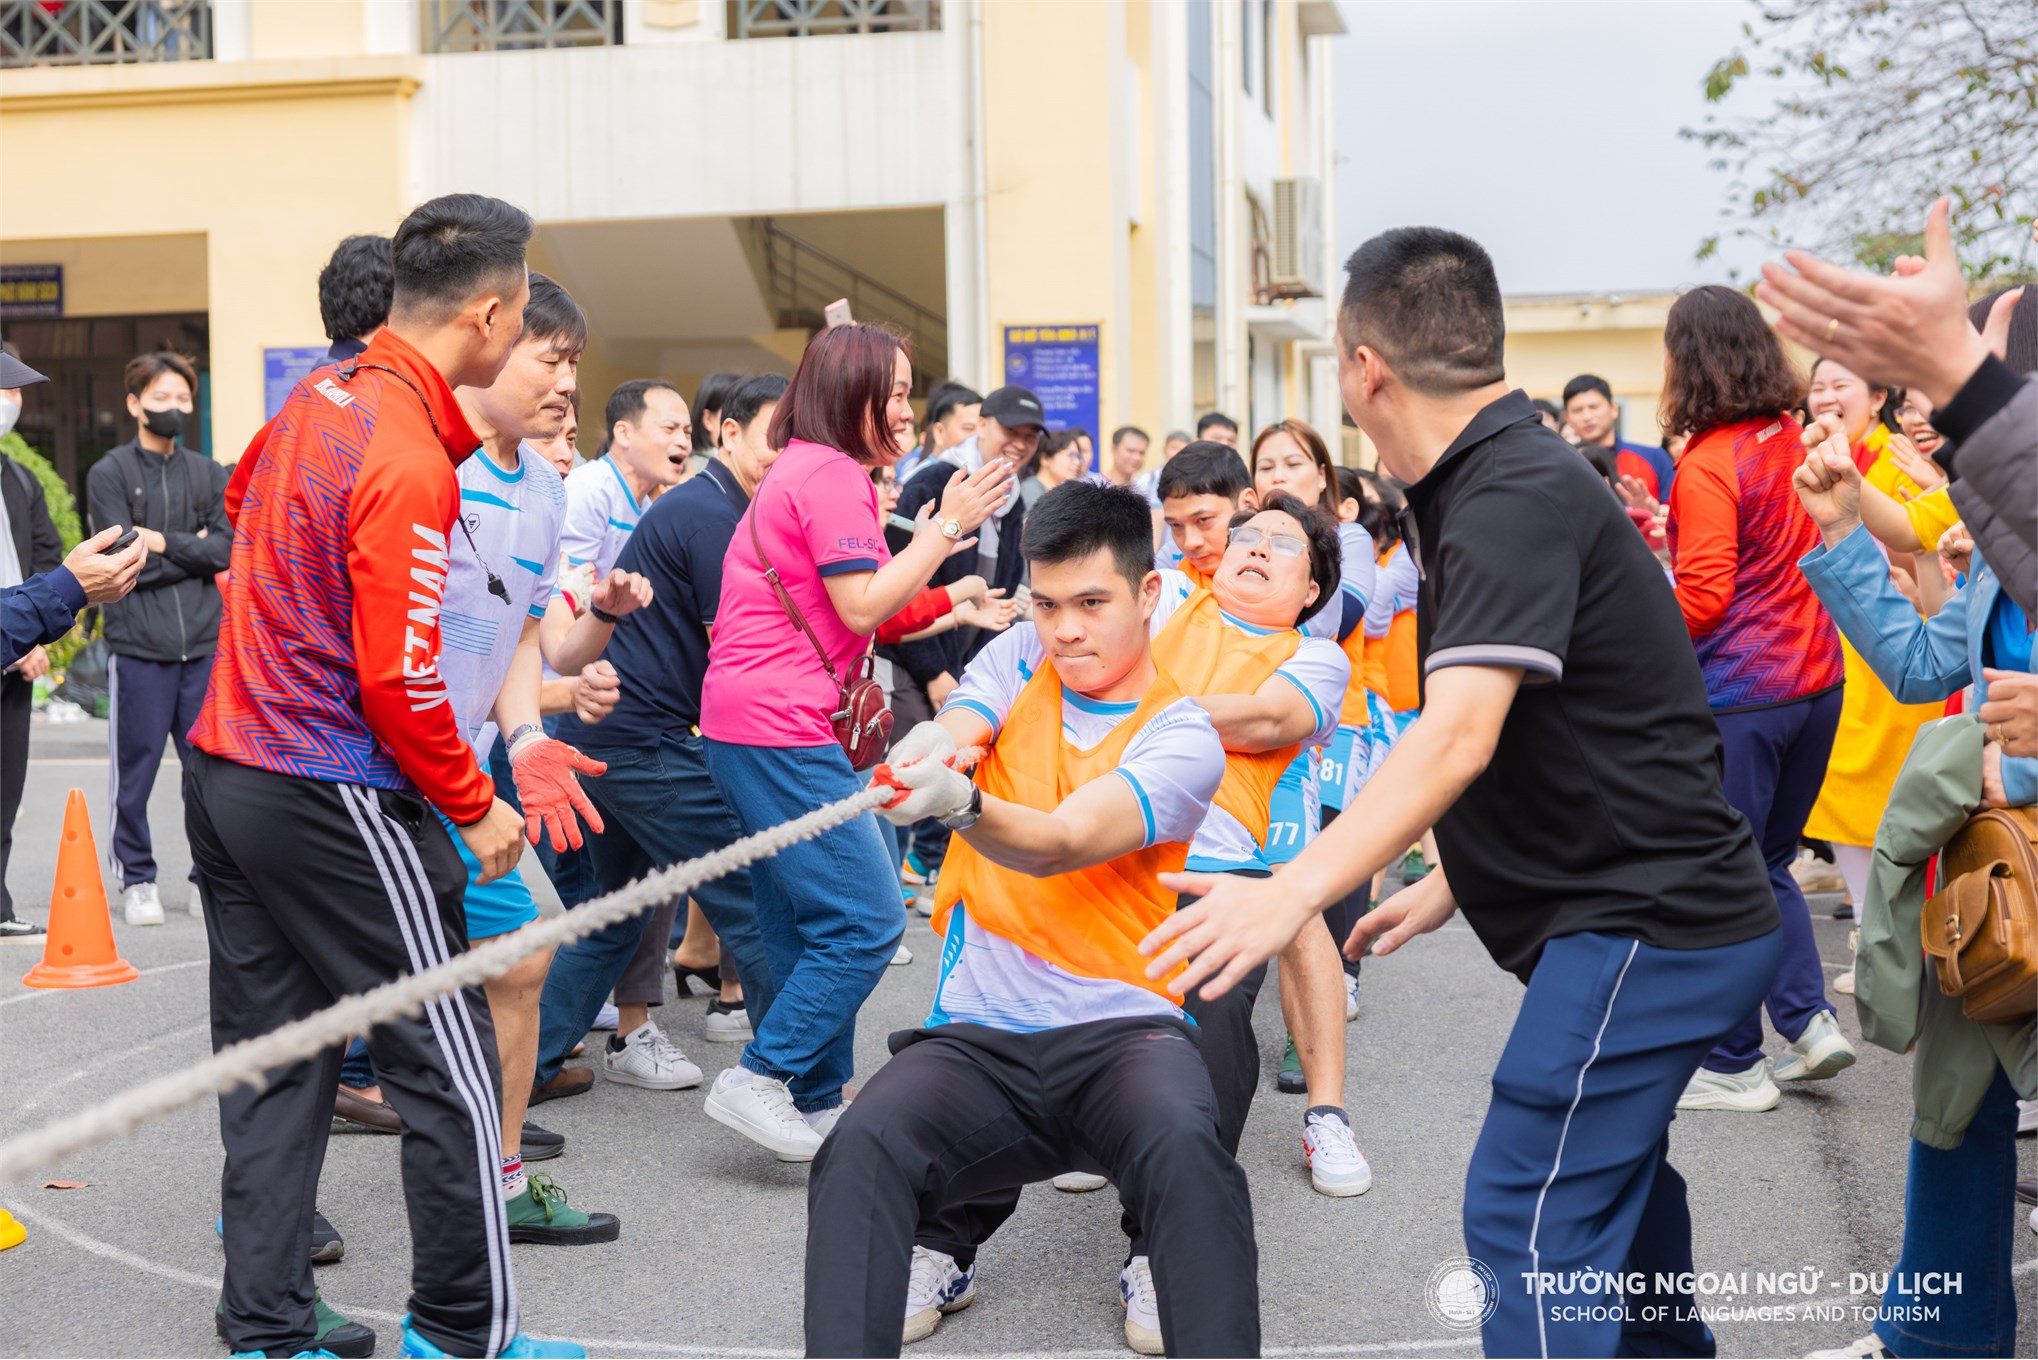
(326, 1246)
(355, 1113)
(2027, 1192)
(540, 1144)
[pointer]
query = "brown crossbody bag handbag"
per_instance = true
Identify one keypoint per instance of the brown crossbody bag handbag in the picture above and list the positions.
(862, 719)
(1981, 929)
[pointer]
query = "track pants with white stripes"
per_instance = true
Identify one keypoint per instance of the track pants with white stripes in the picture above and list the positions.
(315, 891)
(1570, 1180)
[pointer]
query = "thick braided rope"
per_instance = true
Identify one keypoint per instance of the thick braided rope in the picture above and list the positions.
(248, 1062)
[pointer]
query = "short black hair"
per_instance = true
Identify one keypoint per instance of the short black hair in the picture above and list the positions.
(1549, 408)
(742, 402)
(712, 395)
(1205, 468)
(1326, 553)
(553, 315)
(941, 403)
(627, 402)
(1124, 432)
(355, 287)
(454, 249)
(1210, 420)
(1077, 519)
(1380, 504)
(1428, 301)
(1587, 382)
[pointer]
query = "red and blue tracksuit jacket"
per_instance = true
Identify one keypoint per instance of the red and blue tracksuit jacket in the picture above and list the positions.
(328, 658)
(1737, 533)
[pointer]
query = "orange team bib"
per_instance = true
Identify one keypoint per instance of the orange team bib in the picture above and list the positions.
(1088, 922)
(1207, 656)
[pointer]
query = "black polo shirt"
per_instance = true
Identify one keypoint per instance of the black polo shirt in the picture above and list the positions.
(1602, 808)
(661, 652)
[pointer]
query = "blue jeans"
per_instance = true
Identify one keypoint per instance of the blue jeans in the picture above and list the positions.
(1775, 763)
(659, 807)
(828, 909)
(1973, 1241)
(1571, 1173)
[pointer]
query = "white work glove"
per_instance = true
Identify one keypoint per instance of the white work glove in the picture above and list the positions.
(927, 788)
(927, 741)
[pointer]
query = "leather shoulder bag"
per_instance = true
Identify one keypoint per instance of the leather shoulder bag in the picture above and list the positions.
(1981, 929)
(862, 720)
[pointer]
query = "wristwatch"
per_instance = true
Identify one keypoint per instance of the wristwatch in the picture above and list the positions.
(967, 818)
(951, 529)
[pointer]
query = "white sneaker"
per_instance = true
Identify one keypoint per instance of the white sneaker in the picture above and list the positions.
(1142, 1307)
(824, 1121)
(608, 1017)
(1869, 1347)
(649, 1059)
(1080, 1182)
(1820, 1052)
(1336, 1166)
(903, 957)
(196, 906)
(1351, 998)
(2027, 1117)
(762, 1110)
(935, 1289)
(1815, 875)
(2034, 1220)
(141, 905)
(730, 1026)
(1750, 1092)
(1844, 984)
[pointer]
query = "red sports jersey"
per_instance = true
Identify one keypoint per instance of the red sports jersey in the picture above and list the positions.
(328, 660)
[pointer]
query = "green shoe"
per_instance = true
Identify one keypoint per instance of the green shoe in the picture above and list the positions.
(1414, 868)
(336, 1334)
(1290, 1082)
(541, 1214)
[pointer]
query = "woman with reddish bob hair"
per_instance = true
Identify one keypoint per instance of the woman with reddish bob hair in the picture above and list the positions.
(828, 908)
(1766, 647)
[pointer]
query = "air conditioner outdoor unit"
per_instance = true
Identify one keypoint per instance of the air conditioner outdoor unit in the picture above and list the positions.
(1297, 263)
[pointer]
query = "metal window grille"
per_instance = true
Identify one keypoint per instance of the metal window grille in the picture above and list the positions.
(103, 32)
(521, 25)
(810, 18)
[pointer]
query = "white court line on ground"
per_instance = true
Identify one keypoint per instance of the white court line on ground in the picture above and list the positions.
(86, 1242)
(71, 760)
(117, 1059)
(36, 992)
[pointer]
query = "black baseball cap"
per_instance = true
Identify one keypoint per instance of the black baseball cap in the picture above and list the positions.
(14, 373)
(1013, 407)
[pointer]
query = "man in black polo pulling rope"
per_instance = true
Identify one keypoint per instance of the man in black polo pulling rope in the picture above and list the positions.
(1569, 763)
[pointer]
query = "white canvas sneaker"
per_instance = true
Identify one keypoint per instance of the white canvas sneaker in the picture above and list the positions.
(762, 1110)
(1336, 1166)
(648, 1059)
(141, 905)
(196, 906)
(1080, 1182)
(1142, 1307)
(936, 1288)
(1351, 998)
(727, 1024)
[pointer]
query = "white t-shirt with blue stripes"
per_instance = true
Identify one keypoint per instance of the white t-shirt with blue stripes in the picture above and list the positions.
(1173, 764)
(601, 512)
(512, 523)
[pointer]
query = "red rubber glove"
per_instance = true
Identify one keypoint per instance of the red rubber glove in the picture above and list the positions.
(544, 771)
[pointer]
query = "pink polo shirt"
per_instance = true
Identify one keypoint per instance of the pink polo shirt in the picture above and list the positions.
(817, 512)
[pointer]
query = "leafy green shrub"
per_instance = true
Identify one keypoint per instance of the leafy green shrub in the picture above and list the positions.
(64, 512)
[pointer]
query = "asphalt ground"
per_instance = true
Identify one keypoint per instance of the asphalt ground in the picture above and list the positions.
(710, 1257)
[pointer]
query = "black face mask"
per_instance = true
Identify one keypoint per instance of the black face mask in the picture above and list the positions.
(164, 424)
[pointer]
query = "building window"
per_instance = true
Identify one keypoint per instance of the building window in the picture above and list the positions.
(1202, 160)
(810, 18)
(521, 25)
(103, 32)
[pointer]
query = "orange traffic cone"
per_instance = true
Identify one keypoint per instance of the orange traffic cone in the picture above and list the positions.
(80, 950)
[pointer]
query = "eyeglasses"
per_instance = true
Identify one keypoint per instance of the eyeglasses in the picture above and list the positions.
(1281, 545)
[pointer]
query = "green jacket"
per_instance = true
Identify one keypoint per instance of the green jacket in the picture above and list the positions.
(1896, 993)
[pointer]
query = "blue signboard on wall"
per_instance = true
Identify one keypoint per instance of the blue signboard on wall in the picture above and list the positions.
(281, 368)
(1059, 365)
(32, 289)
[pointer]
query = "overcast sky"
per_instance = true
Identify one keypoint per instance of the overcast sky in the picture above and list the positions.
(1546, 129)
